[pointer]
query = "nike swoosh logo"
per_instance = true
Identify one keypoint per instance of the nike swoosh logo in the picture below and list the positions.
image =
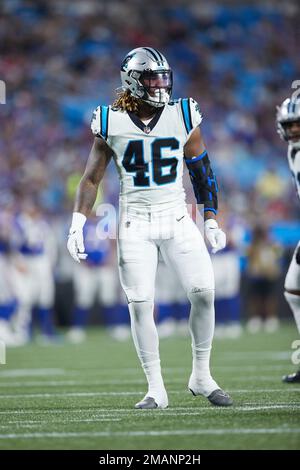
(178, 220)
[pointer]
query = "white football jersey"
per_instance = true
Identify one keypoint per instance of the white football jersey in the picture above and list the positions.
(149, 157)
(294, 163)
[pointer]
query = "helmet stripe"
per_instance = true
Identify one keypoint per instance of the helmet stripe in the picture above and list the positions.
(159, 54)
(156, 58)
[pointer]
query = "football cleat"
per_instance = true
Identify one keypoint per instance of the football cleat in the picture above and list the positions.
(148, 403)
(292, 378)
(218, 397)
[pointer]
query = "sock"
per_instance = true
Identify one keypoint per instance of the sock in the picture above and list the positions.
(116, 315)
(146, 342)
(45, 316)
(227, 310)
(23, 320)
(80, 317)
(122, 317)
(221, 311)
(235, 309)
(6, 310)
(201, 324)
(294, 302)
(165, 312)
(181, 311)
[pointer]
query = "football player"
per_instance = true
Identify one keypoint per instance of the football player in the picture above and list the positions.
(7, 298)
(288, 127)
(149, 138)
(33, 260)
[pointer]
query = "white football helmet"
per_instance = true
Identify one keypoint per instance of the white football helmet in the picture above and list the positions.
(146, 73)
(288, 112)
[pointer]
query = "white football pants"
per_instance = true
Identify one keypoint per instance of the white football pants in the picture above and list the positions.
(176, 237)
(180, 243)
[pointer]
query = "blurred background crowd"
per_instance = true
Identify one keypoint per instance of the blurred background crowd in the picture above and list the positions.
(60, 60)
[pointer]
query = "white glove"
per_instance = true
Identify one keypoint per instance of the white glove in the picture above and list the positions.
(215, 236)
(75, 239)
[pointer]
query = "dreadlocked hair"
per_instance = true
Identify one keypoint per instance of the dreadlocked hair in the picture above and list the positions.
(126, 102)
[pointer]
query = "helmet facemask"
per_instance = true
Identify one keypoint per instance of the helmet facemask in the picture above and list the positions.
(145, 72)
(157, 86)
(288, 132)
(288, 120)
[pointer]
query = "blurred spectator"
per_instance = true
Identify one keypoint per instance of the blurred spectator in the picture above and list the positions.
(227, 272)
(60, 59)
(263, 272)
(96, 279)
(34, 256)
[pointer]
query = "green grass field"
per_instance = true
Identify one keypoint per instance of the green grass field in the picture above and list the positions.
(82, 397)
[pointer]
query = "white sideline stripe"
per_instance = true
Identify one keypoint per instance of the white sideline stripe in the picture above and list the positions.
(33, 424)
(30, 372)
(175, 432)
(264, 390)
(135, 393)
(273, 355)
(112, 416)
(58, 383)
(71, 394)
(130, 411)
(55, 383)
(268, 407)
(40, 372)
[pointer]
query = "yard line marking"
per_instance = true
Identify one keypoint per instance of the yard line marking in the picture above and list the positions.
(66, 383)
(55, 383)
(70, 394)
(265, 390)
(31, 372)
(273, 355)
(175, 432)
(135, 393)
(33, 424)
(12, 373)
(249, 368)
(267, 407)
(130, 411)
(112, 416)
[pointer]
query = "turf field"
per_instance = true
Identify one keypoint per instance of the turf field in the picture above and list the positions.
(82, 397)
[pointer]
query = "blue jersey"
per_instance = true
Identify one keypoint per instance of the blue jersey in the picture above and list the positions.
(29, 235)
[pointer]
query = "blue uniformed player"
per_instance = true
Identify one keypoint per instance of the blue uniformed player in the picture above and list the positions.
(33, 261)
(96, 280)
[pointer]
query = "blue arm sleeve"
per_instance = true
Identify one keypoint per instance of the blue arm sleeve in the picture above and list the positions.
(204, 181)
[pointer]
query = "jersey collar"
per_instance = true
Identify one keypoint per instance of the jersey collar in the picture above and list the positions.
(146, 128)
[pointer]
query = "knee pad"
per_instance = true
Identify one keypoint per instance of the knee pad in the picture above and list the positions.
(139, 311)
(136, 295)
(203, 298)
(288, 295)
